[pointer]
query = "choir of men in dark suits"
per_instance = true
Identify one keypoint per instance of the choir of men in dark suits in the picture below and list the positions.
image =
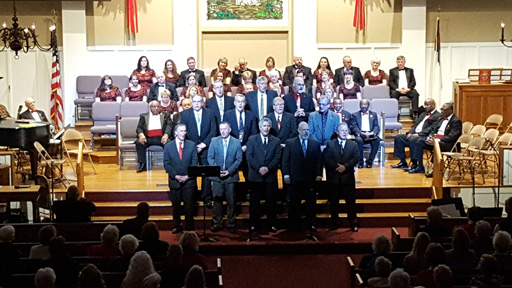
(220, 103)
(179, 154)
(291, 72)
(301, 167)
(240, 68)
(418, 130)
(298, 102)
(365, 126)
(157, 88)
(201, 80)
(283, 123)
(339, 78)
(224, 151)
(153, 129)
(260, 101)
(402, 83)
(323, 123)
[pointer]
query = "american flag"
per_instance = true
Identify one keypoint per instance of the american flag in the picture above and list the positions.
(56, 98)
(436, 79)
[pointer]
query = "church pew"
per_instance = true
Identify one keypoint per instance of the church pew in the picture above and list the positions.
(416, 222)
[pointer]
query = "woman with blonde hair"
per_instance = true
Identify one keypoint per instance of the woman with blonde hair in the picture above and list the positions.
(141, 266)
(222, 65)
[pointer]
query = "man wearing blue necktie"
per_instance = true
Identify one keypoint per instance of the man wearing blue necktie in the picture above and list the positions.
(156, 89)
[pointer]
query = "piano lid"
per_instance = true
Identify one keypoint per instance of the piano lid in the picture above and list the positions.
(23, 135)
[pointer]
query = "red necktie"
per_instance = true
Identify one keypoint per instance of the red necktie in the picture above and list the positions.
(181, 150)
(428, 114)
(445, 118)
(278, 122)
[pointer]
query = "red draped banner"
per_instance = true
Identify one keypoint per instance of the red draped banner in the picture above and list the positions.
(131, 13)
(359, 13)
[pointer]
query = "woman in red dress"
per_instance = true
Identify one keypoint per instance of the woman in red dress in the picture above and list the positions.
(166, 104)
(276, 84)
(375, 76)
(192, 81)
(170, 72)
(270, 63)
(323, 66)
(227, 87)
(136, 92)
(107, 92)
(145, 74)
(222, 65)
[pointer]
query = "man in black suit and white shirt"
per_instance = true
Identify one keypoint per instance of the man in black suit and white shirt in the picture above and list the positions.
(32, 113)
(347, 66)
(220, 103)
(365, 126)
(291, 72)
(283, 123)
(402, 83)
(157, 88)
(240, 68)
(201, 80)
(298, 102)
(260, 101)
(343, 114)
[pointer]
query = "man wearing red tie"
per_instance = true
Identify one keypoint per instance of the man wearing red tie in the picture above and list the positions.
(32, 112)
(365, 126)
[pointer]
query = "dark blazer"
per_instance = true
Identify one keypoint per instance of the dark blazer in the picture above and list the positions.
(306, 103)
(393, 78)
(345, 117)
(340, 79)
(288, 126)
(432, 119)
(165, 121)
(298, 167)
(153, 91)
(208, 125)
(250, 124)
(201, 80)
(237, 77)
(355, 125)
(452, 132)
(333, 156)
(315, 126)
(253, 102)
(289, 75)
(233, 157)
(229, 103)
(257, 157)
(176, 166)
(28, 115)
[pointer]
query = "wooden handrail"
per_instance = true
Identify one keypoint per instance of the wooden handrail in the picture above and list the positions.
(437, 174)
(80, 169)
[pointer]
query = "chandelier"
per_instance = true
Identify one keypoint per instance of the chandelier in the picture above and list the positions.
(22, 39)
(502, 40)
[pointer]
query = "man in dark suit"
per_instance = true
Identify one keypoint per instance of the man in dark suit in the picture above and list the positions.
(343, 114)
(260, 101)
(225, 151)
(201, 128)
(447, 129)
(240, 68)
(134, 225)
(179, 154)
(418, 130)
(291, 72)
(341, 156)
(302, 166)
(220, 103)
(323, 123)
(284, 126)
(263, 152)
(402, 83)
(299, 103)
(339, 78)
(32, 113)
(201, 80)
(365, 126)
(155, 91)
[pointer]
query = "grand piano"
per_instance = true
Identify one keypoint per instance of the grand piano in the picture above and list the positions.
(22, 135)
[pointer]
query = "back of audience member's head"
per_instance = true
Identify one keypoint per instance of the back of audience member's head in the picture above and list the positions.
(501, 242)
(57, 246)
(72, 193)
(150, 231)
(141, 266)
(46, 233)
(45, 278)
(143, 210)
(174, 253)
(128, 245)
(151, 281)
(382, 266)
(7, 233)
(381, 244)
(434, 215)
(488, 265)
(110, 235)
(475, 214)
(420, 244)
(460, 240)
(189, 242)
(443, 276)
(482, 229)
(91, 277)
(399, 279)
(195, 278)
(435, 254)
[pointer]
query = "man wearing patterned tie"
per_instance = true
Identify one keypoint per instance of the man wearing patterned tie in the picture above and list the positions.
(260, 101)
(365, 126)
(225, 151)
(341, 156)
(32, 112)
(191, 63)
(157, 88)
(179, 154)
(220, 103)
(284, 126)
(402, 83)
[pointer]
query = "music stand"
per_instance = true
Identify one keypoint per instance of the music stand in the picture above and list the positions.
(204, 171)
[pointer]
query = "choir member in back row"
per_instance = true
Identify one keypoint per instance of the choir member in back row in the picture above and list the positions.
(145, 74)
(108, 92)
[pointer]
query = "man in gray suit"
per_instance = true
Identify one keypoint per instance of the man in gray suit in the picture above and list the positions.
(323, 123)
(225, 151)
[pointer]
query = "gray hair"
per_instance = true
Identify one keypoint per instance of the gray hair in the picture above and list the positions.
(7, 233)
(128, 244)
(501, 241)
(45, 278)
(110, 235)
(399, 279)
(265, 119)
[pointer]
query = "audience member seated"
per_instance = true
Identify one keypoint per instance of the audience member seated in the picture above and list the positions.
(141, 266)
(275, 83)
(166, 104)
(91, 277)
(173, 276)
(501, 243)
(506, 224)
(381, 247)
(382, 270)
(45, 278)
(270, 64)
(460, 257)
(73, 209)
(474, 215)
(488, 276)
(434, 227)
(246, 79)
(416, 260)
(195, 278)
(323, 67)
(171, 72)
(152, 281)
(399, 279)
(61, 262)
(222, 65)
(190, 244)
(128, 246)
(375, 76)
(9, 255)
(108, 247)
(3, 112)
(226, 87)
(349, 89)
(443, 276)
(435, 256)
(240, 69)
(482, 244)
(365, 126)
(402, 83)
(108, 92)
(339, 74)
(151, 242)
(133, 226)
(135, 92)
(42, 251)
(145, 74)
